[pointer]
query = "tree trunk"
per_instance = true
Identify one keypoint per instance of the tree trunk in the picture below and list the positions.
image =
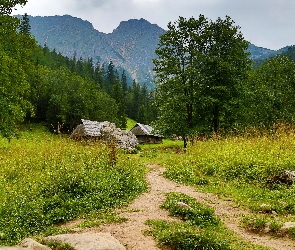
(184, 141)
(189, 108)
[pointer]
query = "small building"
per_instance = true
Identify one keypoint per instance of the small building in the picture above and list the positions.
(146, 134)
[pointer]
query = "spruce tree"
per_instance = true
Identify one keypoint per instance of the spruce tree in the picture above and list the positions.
(25, 27)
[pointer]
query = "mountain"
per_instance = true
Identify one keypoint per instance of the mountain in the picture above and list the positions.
(136, 41)
(259, 54)
(130, 46)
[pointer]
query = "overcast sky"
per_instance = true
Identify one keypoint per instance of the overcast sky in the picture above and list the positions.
(265, 23)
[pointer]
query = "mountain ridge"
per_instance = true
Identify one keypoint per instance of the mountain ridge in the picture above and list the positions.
(130, 46)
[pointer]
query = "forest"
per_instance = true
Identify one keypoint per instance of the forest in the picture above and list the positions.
(40, 85)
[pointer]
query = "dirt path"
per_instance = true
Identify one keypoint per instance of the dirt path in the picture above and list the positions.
(146, 206)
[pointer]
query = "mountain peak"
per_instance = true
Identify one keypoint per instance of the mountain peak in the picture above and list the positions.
(136, 25)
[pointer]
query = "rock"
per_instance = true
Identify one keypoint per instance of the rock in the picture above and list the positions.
(107, 132)
(89, 241)
(183, 205)
(288, 225)
(285, 177)
(267, 227)
(27, 244)
(123, 138)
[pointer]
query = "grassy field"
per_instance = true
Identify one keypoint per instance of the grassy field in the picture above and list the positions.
(46, 180)
(239, 168)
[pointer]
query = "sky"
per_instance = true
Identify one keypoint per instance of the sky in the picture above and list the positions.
(264, 23)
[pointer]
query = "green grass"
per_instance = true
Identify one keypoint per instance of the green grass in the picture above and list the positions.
(261, 223)
(236, 168)
(46, 180)
(200, 228)
(194, 214)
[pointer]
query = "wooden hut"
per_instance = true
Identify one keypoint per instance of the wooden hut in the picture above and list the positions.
(146, 134)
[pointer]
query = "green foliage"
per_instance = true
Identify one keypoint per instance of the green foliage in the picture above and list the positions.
(130, 123)
(127, 101)
(198, 74)
(15, 63)
(25, 27)
(140, 104)
(183, 237)
(14, 89)
(54, 180)
(197, 214)
(261, 223)
(65, 98)
(6, 7)
(269, 93)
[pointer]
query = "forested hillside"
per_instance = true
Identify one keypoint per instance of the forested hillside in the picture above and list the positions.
(40, 85)
(130, 46)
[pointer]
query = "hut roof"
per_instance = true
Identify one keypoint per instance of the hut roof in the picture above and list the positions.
(92, 128)
(142, 129)
(88, 128)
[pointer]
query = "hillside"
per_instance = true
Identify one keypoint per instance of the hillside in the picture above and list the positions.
(136, 41)
(130, 46)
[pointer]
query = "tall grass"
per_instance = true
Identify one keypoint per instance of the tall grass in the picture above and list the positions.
(46, 180)
(237, 167)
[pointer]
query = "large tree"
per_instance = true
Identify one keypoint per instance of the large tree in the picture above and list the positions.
(227, 66)
(14, 82)
(198, 66)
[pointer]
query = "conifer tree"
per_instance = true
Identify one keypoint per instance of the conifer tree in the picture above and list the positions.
(25, 27)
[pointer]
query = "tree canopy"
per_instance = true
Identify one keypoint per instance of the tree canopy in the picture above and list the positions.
(6, 6)
(199, 67)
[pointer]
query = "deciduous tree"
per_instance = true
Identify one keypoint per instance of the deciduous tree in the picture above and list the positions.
(199, 65)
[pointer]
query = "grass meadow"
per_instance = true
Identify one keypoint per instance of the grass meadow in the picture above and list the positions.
(47, 180)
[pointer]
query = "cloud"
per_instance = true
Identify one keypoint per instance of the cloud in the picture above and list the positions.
(266, 23)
